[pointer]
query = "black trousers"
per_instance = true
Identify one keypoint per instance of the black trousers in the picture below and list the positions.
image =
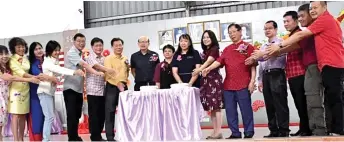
(111, 94)
(139, 84)
(296, 86)
(96, 116)
(276, 102)
(73, 102)
(333, 79)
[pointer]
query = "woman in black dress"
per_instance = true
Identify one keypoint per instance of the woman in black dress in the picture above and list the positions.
(185, 60)
(211, 85)
(163, 71)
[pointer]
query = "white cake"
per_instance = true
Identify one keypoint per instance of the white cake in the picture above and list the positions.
(148, 88)
(177, 85)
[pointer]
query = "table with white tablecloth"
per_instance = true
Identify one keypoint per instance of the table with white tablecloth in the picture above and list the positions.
(159, 115)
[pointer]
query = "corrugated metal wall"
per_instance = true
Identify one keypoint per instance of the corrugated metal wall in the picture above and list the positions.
(106, 13)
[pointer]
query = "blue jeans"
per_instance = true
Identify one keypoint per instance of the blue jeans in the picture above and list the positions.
(243, 98)
(47, 103)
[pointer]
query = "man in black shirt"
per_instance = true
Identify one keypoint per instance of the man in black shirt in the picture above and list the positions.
(143, 64)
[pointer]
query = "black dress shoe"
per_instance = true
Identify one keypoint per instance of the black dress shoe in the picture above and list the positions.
(234, 137)
(296, 134)
(248, 136)
(271, 135)
(302, 134)
(283, 134)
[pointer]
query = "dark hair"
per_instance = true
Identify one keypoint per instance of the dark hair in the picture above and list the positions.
(32, 48)
(3, 49)
(237, 26)
(212, 36)
(17, 41)
(95, 40)
(168, 46)
(191, 48)
(293, 15)
(117, 39)
(51, 46)
(273, 23)
(78, 35)
(304, 7)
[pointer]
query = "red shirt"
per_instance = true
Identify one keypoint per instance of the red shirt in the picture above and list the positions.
(238, 75)
(294, 66)
(328, 41)
(308, 50)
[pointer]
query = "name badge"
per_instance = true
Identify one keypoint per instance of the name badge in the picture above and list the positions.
(189, 57)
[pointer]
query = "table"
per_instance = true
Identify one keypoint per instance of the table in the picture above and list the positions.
(159, 115)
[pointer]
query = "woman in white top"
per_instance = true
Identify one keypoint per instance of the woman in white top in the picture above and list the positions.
(46, 90)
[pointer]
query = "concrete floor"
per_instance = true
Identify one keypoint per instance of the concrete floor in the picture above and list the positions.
(259, 133)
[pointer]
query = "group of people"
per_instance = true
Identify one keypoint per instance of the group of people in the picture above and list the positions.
(311, 60)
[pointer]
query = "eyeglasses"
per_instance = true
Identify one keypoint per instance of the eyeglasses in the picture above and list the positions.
(143, 42)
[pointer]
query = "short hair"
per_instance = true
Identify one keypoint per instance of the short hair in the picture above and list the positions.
(237, 26)
(138, 40)
(116, 39)
(78, 35)
(32, 56)
(293, 15)
(273, 23)
(95, 40)
(168, 46)
(323, 3)
(51, 46)
(304, 7)
(17, 41)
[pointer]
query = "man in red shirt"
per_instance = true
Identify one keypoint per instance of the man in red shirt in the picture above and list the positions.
(295, 73)
(239, 82)
(330, 57)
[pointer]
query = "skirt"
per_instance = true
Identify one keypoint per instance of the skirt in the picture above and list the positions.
(211, 91)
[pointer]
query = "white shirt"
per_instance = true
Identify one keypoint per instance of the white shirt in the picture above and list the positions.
(51, 66)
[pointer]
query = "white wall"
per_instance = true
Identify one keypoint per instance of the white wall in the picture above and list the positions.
(130, 33)
(23, 18)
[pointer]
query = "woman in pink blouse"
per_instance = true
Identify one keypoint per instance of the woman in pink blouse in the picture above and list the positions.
(5, 80)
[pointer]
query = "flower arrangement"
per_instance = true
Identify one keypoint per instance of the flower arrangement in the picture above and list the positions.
(106, 53)
(179, 58)
(154, 58)
(242, 49)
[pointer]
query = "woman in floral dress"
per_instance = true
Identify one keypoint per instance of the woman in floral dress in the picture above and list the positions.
(5, 80)
(211, 85)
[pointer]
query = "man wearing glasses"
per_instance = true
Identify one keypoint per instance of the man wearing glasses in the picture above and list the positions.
(143, 64)
(273, 84)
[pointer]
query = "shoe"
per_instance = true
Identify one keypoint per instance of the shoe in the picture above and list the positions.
(296, 134)
(271, 135)
(248, 136)
(339, 133)
(303, 134)
(283, 134)
(219, 136)
(234, 137)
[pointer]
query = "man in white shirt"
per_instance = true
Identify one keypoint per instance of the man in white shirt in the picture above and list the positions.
(74, 85)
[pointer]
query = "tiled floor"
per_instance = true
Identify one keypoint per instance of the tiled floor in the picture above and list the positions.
(259, 133)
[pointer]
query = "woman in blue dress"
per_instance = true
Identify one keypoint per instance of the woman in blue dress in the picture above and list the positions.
(36, 117)
(185, 61)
